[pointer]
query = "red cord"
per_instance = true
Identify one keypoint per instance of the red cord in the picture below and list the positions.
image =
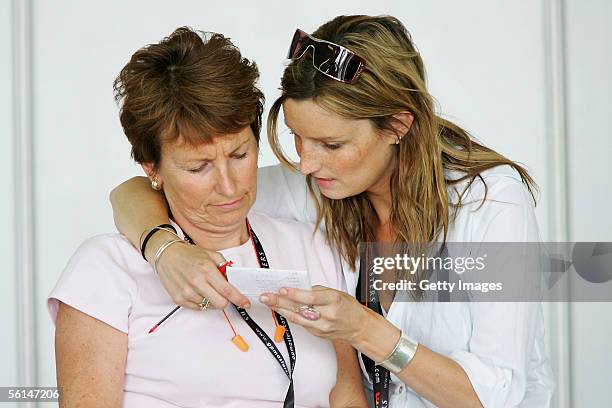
(274, 317)
(230, 323)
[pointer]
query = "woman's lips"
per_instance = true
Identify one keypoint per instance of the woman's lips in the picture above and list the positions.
(324, 182)
(230, 205)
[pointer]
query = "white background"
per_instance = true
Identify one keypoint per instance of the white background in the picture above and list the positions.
(491, 66)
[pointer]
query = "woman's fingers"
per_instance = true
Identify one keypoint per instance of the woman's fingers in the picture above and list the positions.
(216, 300)
(293, 299)
(183, 294)
(216, 257)
(190, 274)
(294, 317)
(276, 301)
(336, 315)
(319, 295)
(173, 287)
(217, 281)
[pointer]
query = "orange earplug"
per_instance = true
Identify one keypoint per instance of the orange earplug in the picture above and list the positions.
(240, 343)
(279, 333)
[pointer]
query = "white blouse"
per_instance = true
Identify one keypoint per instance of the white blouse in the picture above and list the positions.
(499, 345)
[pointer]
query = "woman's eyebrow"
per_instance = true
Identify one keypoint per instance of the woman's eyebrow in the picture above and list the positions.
(194, 160)
(207, 159)
(331, 139)
(245, 141)
(323, 139)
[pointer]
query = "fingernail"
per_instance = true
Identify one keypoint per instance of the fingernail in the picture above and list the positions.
(247, 305)
(284, 292)
(264, 299)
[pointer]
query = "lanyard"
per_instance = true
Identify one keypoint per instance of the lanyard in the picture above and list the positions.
(379, 375)
(261, 334)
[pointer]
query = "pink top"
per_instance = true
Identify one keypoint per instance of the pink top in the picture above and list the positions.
(190, 361)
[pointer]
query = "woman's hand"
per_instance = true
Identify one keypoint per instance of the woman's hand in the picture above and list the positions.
(189, 273)
(341, 316)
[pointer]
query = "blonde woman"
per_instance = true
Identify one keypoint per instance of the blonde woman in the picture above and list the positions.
(382, 166)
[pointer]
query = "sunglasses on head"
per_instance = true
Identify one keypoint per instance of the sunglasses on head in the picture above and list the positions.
(330, 59)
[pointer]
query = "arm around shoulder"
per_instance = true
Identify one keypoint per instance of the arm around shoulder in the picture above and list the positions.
(136, 207)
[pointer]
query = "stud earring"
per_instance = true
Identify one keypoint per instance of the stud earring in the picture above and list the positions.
(155, 184)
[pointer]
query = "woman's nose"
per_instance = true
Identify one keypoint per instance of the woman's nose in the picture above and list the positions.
(226, 183)
(308, 162)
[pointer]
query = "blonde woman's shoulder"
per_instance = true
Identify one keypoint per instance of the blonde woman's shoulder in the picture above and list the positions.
(496, 204)
(280, 226)
(488, 186)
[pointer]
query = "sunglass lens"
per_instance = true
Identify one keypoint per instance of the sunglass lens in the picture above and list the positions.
(351, 68)
(336, 62)
(297, 44)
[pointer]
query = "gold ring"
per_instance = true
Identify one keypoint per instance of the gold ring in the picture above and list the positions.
(204, 304)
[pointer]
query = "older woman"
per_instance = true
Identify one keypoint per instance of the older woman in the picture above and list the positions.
(192, 113)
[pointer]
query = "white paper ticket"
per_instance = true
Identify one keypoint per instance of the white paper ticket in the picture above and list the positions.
(252, 282)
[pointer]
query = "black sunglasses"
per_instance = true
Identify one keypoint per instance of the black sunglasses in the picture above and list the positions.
(332, 60)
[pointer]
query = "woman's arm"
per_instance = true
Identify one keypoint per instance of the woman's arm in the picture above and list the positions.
(188, 273)
(90, 359)
(348, 392)
(433, 376)
(137, 207)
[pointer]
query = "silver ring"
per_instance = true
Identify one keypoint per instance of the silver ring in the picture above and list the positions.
(309, 312)
(204, 304)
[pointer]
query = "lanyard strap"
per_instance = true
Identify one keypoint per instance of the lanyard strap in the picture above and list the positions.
(287, 337)
(261, 334)
(368, 296)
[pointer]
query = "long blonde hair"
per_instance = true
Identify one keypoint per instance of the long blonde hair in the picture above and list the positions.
(393, 81)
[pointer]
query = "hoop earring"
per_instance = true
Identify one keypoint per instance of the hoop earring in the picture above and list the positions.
(155, 184)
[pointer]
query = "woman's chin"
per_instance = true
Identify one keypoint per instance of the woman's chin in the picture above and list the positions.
(334, 194)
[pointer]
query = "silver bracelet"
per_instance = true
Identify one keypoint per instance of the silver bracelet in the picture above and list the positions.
(402, 354)
(161, 250)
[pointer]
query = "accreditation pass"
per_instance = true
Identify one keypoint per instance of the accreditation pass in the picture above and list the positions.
(252, 282)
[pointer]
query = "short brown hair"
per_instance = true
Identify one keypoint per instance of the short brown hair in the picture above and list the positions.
(191, 84)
